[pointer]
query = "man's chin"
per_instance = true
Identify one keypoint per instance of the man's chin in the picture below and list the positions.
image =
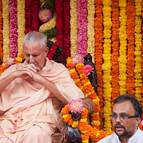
(119, 131)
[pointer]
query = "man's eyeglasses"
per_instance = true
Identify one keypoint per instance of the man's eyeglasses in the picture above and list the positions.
(122, 116)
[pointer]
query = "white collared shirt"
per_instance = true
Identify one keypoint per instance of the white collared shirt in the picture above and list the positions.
(113, 138)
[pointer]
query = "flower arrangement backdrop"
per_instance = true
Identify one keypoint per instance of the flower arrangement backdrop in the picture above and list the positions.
(111, 30)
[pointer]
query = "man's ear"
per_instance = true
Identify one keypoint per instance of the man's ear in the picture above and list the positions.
(138, 121)
(46, 49)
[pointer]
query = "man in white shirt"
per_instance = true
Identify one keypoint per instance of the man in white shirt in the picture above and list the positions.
(126, 116)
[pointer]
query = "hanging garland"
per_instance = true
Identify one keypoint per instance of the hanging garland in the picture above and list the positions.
(1, 36)
(73, 27)
(5, 15)
(82, 27)
(90, 26)
(66, 28)
(138, 53)
(34, 14)
(142, 53)
(13, 28)
(59, 22)
(79, 72)
(99, 51)
(21, 23)
(107, 65)
(28, 15)
(123, 47)
(81, 122)
(115, 48)
(130, 46)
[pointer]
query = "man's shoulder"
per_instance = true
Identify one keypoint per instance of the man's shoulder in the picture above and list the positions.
(108, 139)
(139, 133)
(60, 66)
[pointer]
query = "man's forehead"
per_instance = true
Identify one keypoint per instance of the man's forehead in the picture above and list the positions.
(32, 46)
(31, 43)
(123, 106)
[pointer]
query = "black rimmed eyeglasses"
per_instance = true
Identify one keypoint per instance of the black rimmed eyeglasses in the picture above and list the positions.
(123, 116)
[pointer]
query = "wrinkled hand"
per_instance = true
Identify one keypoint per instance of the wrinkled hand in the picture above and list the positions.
(23, 71)
(29, 72)
(22, 67)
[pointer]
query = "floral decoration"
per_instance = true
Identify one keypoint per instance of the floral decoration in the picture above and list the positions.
(13, 28)
(1, 36)
(5, 15)
(73, 26)
(82, 27)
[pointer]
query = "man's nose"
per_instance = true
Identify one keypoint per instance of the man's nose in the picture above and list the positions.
(31, 59)
(118, 119)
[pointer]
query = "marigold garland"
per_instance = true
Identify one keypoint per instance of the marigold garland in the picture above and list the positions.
(1, 36)
(82, 122)
(99, 50)
(107, 65)
(73, 26)
(10, 61)
(123, 47)
(138, 53)
(5, 15)
(90, 28)
(142, 53)
(130, 47)
(21, 23)
(115, 49)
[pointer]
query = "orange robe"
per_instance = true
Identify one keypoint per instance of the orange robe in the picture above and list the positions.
(31, 115)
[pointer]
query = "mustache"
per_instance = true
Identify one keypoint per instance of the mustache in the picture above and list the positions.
(119, 126)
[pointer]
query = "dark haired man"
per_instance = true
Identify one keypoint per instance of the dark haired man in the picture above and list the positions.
(126, 116)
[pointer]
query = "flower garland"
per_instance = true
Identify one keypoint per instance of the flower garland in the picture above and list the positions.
(90, 30)
(78, 72)
(82, 27)
(138, 53)
(123, 45)
(115, 49)
(48, 25)
(107, 65)
(34, 14)
(76, 116)
(5, 15)
(141, 53)
(21, 23)
(75, 106)
(10, 61)
(99, 51)
(52, 51)
(130, 47)
(73, 26)
(13, 28)
(28, 15)
(88, 91)
(66, 28)
(59, 22)
(1, 36)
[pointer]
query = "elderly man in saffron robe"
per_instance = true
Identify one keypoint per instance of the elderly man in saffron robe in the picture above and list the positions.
(32, 94)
